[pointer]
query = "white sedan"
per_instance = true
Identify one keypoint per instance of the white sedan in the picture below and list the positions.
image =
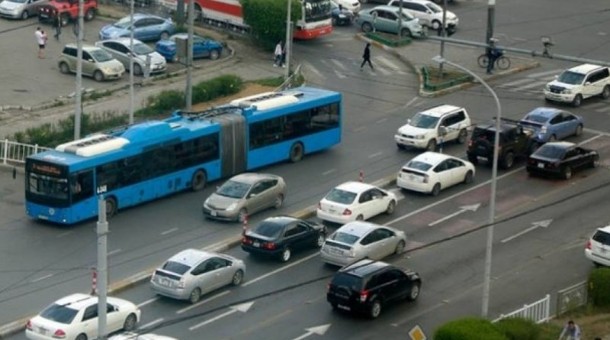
(352, 201)
(75, 317)
(430, 172)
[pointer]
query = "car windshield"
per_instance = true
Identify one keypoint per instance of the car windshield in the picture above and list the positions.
(569, 77)
(234, 189)
(175, 267)
(434, 8)
(342, 237)
(123, 23)
(423, 121)
(341, 196)
(419, 165)
(100, 55)
(550, 151)
(268, 229)
(536, 118)
(59, 313)
(142, 49)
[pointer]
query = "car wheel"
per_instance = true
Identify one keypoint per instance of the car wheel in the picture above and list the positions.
(242, 216)
(164, 36)
(320, 240)
(279, 201)
(64, 68)
(375, 310)
(391, 207)
(473, 159)
(296, 152)
(414, 292)
(469, 177)
(238, 277)
(400, 146)
(436, 25)
(137, 70)
(198, 181)
(605, 92)
(508, 160)
(195, 296)
(98, 75)
(367, 27)
(436, 189)
(285, 255)
(462, 137)
(81, 337)
(578, 131)
(90, 15)
(111, 207)
(214, 54)
(25, 15)
(130, 323)
(405, 32)
(567, 172)
(577, 100)
(359, 218)
(431, 145)
(400, 247)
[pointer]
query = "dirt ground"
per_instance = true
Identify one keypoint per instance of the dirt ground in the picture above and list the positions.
(592, 326)
(249, 90)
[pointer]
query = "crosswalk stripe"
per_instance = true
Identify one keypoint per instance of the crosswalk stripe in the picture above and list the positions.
(338, 64)
(311, 68)
(383, 71)
(388, 62)
(340, 75)
(539, 84)
(516, 82)
(553, 73)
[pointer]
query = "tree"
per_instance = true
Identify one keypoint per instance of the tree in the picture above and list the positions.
(267, 19)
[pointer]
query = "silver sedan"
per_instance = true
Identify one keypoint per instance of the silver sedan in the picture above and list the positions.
(358, 240)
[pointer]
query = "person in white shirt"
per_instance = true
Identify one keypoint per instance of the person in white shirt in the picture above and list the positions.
(41, 39)
(571, 331)
(278, 54)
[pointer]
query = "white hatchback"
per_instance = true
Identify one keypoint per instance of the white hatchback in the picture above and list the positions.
(431, 172)
(352, 5)
(352, 201)
(598, 247)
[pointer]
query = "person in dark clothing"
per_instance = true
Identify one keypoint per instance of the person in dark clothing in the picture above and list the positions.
(366, 57)
(57, 24)
(493, 53)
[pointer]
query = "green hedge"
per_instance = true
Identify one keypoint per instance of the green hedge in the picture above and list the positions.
(470, 328)
(599, 292)
(518, 329)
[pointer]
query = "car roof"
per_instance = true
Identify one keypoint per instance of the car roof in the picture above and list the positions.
(547, 112)
(279, 220)
(430, 157)
(439, 111)
(191, 257)
(356, 187)
(364, 267)
(605, 229)
(358, 228)
(416, 1)
(125, 41)
(386, 8)
(85, 47)
(185, 36)
(76, 301)
(252, 177)
(585, 68)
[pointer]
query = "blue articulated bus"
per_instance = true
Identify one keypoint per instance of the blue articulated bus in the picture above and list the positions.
(149, 160)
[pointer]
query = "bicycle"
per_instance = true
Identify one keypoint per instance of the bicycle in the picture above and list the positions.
(502, 62)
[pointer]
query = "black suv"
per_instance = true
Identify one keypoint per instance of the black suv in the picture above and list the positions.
(366, 286)
(515, 141)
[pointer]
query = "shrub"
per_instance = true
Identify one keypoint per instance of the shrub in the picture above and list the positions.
(599, 294)
(518, 329)
(470, 328)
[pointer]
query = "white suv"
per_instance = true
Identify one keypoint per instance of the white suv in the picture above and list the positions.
(434, 126)
(598, 247)
(578, 83)
(428, 13)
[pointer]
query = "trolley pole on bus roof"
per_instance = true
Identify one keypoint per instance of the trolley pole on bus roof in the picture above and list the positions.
(102, 276)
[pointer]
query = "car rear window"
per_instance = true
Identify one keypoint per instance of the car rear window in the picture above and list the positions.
(344, 237)
(487, 134)
(341, 196)
(550, 151)
(59, 313)
(268, 229)
(176, 267)
(347, 280)
(602, 237)
(419, 165)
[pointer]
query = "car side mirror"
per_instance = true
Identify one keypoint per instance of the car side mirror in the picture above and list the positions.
(409, 121)
(587, 83)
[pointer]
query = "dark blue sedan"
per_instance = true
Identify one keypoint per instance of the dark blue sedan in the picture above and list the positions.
(146, 28)
(551, 124)
(202, 47)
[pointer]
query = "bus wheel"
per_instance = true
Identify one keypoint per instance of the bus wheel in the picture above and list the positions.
(198, 181)
(110, 207)
(296, 152)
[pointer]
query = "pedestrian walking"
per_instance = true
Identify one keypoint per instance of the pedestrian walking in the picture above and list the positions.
(570, 331)
(41, 40)
(366, 57)
(57, 25)
(277, 61)
(284, 55)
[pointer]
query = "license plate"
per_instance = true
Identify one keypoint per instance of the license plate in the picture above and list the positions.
(42, 330)
(213, 213)
(164, 282)
(541, 165)
(335, 251)
(256, 244)
(44, 16)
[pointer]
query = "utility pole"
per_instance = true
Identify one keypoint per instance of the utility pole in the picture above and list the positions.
(79, 70)
(288, 44)
(491, 14)
(131, 90)
(189, 56)
(399, 19)
(102, 270)
(443, 34)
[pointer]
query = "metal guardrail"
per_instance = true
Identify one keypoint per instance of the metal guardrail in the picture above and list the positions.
(572, 297)
(539, 311)
(14, 153)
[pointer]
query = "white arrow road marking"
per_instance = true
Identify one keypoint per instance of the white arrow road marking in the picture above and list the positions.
(318, 330)
(233, 309)
(535, 225)
(462, 210)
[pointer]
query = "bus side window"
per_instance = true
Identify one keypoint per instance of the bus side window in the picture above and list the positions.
(81, 185)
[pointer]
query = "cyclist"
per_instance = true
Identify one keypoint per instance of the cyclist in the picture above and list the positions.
(493, 53)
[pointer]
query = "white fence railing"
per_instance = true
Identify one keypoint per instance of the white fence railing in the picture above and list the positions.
(538, 311)
(15, 153)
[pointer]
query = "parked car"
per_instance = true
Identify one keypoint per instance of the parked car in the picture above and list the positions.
(369, 286)
(202, 47)
(352, 5)
(341, 16)
(578, 83)
(97, 63)
(20, 9)
(120, 49)
(385, 19)
(561, 158)
(428, 13)
(146, 27)
(137, 336)
(244, 195)
(352, 201)
(75, 317)
(362, 240)
(431, 127)
(281, 235)
(598, 247)
(430, 172)
(192, 273)
(552, 124)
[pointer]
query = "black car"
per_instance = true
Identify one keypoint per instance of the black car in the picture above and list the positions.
(560, 158)
(341, 16)
(366, 286)
(279, 236)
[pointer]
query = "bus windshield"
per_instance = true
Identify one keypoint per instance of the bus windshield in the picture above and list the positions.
(43, 185)
(316, 10)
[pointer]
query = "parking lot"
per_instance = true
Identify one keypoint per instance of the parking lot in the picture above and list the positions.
(29, 81)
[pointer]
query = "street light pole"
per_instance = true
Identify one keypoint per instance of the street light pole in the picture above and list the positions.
(491, 15)
(287, 45)
(131, 37)
(494, 177)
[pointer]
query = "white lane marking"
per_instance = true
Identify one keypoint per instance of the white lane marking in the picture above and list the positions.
(328, 172)
(280, 269)
(545, 73)
(375, 154)
(154, 322)
(539, 84)
(213, 297)
(169, 231)
(381, 120)
(311, 68)
(382, 70)
(411, 102)
(147, 302)
(41, 278)
(338, 64)
(535, 225)
(339, 74)
(360, 128)
(388, 62)
(114, 252)
(64, 234)
(514, 83)
(244, 307)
